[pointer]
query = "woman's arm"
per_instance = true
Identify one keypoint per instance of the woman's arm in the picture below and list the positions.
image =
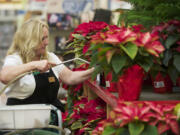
(10, 72)
(74, 77)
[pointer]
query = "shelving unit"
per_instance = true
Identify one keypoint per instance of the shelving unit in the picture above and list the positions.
(92, 91)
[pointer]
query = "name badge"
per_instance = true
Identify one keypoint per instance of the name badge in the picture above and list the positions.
(51, 79)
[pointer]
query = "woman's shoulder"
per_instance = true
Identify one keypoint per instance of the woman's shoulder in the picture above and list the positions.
(13, 59)
(14, 56)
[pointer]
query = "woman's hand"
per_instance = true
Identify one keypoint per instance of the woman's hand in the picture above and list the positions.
(42, 65)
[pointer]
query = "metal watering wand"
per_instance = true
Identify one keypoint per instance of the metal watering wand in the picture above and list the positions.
(66, 131)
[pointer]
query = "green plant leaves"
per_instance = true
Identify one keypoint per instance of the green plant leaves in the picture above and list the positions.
(150, 130)
(173, 73)
(135, 128)
(118, 62)
(76, 125)
(130, 49)
(97, 70)
(146, 63)
(167, 57)
(109, 55)
(171, 40)
(109, 130)
(78, 36)
(177, 62)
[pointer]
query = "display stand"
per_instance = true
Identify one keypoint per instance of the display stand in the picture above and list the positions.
(92, 90)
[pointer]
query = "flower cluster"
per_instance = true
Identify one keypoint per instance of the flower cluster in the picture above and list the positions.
(140, 118)
(85, 115)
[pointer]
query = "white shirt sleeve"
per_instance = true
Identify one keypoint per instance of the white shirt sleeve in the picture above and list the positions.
(12, 60)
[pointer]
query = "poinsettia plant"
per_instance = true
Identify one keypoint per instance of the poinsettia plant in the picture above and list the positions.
(119, 48)
(145, 118)
(80, 38)
(113, 49)
(169, 34)
(86, 114)
(81, 115)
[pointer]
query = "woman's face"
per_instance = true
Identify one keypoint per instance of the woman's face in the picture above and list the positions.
(45, 40)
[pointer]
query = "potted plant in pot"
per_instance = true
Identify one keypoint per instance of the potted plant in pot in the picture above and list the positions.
(126, 53)
(123, 52)
(169, 34)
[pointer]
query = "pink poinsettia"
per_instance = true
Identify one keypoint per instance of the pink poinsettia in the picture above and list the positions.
(150, 43)
(164, 117)
(129, 113)
(147, 113)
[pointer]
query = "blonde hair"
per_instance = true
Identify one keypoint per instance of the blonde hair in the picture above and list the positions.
(27, 38)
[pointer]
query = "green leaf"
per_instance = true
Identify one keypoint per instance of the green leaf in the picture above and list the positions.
(167, 57)
(109, 130)
(76, 125)
(95, 46)
(118, 62)
(173, 73)
(172, 39)
(78, 36)
(98, 69)
(146, 64)
(150, 130)
(177, 62)
(114, 77)
(136, 128)
(130, 49)
(94, 59)
(104, 50)
(109, 55)
(119, 131)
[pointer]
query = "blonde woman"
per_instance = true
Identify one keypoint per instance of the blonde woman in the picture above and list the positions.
(28, 52)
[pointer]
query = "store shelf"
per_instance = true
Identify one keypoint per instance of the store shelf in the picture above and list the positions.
(147, 94)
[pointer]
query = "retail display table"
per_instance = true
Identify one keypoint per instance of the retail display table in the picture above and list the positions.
(92, 90)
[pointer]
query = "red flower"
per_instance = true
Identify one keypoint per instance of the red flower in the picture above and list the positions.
(86, 28)
(137, 28)
(85, 48)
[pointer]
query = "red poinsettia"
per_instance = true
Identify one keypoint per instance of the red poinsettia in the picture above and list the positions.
(86, 114)
(80, 37)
